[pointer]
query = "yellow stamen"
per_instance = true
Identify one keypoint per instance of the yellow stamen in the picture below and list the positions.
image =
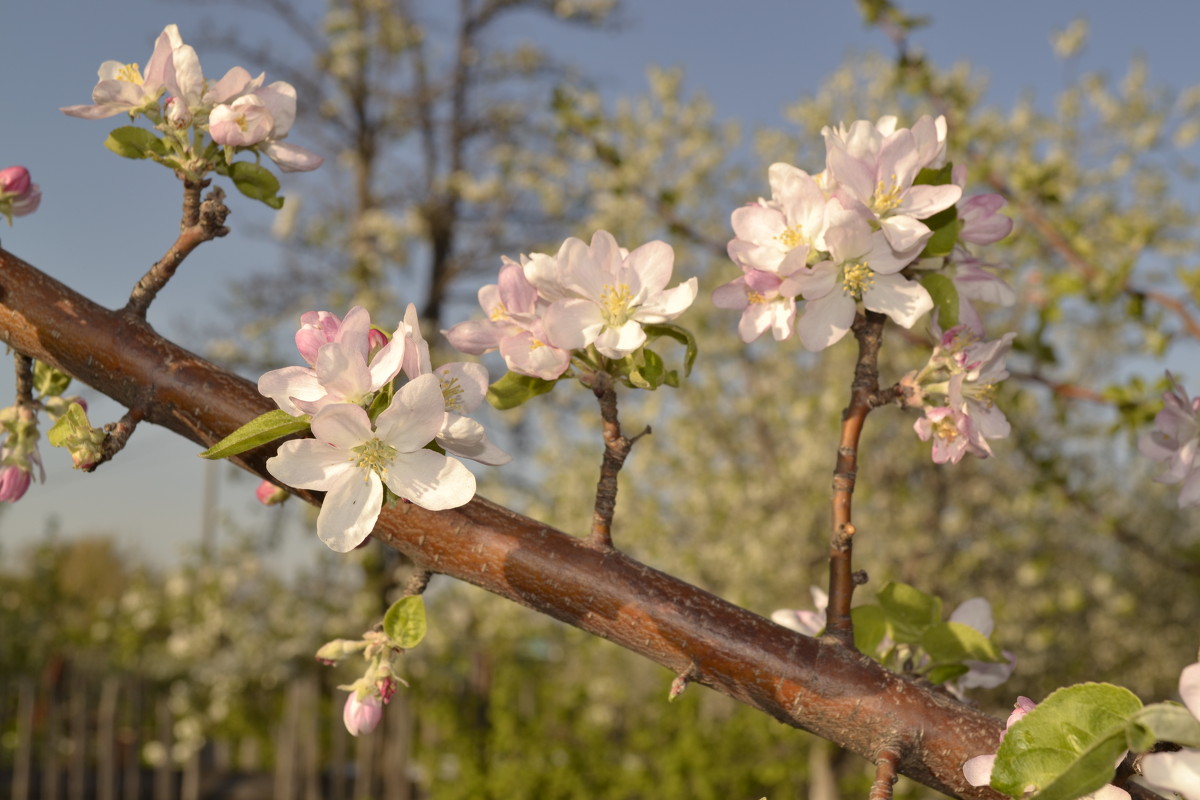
(857, 278)
(791, 237)
(886, 197)
(131, 73)
(452, 395)
(375, 456)
(614, 304)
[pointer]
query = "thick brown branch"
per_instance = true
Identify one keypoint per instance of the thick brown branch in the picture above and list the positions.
(818, 686)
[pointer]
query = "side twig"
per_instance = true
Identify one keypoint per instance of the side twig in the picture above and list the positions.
(887, 764)
(616, 450)
(864, 395)
(202, 222)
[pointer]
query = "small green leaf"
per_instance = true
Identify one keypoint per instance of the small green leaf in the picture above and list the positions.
(929, 176)
(946, 672)
(514, 389)
(945, 298)
(651, 374)
(133, 142)
(404, 622)
(679, 334)
(1069, 745)
(48, 381)
(1163, 722)
(870, 626)
(953, 642)
(945, 226)
(909, 611)
(70, 424)
(260, 430)
(256, 182)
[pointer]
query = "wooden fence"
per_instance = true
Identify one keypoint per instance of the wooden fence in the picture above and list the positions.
(112, 739)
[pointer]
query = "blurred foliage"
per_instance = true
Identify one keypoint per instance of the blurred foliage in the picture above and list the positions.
(1092, 572)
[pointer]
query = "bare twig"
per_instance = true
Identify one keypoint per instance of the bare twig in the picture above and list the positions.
(887, 763)
(417, 582)
(202, 222)
(864, 395)
(616, 450)
(23, 365)
(116, 436)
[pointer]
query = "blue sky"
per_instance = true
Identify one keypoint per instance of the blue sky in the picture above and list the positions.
(104, 220)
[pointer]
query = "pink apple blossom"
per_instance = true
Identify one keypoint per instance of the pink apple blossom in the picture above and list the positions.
(513, 308)
(763, 306)
(779, 235)
(1175, 442)
(19, 195)
(262, 118)
(124, 88)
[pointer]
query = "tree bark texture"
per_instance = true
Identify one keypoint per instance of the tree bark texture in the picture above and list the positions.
(818, 685)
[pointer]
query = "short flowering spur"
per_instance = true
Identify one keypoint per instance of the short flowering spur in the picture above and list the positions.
(199, 126)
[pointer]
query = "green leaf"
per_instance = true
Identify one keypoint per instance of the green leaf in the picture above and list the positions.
(260, 430)
(69, 425)
(514, 389)
(1163, 722)
(945, 298)
(133, 142)
(870, 626)
(256, 182)
(929, 176)
(404, 622)
(48, 381)
(946, 672)
(945, 226)
(679, 334)
(1069, 745)
(909, 611)
(651, 374)
(953, 642)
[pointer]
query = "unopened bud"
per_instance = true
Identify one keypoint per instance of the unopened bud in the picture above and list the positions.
(269, 494)
(362, 716)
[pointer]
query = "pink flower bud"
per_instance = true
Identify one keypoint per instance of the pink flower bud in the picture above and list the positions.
(362, 716)
(14, 482)
(14, 180)
(269, 494)
(316, 328)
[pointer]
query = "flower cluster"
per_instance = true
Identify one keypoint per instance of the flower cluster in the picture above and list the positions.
(371, 692)
(19, 195)
(1175, 442)
(885, 207)
(956, 390)
(591, 301)
(1179, 771)
(372, 438)
(236, 113)
(19, 455)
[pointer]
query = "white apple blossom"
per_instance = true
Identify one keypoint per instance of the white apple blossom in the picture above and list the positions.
(352, 460)
(124, 88)
(614, 295)
(1179, 771)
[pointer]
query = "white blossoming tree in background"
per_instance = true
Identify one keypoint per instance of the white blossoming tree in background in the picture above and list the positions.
(879, 243)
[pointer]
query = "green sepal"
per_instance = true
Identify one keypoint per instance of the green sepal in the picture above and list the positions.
(1069, 745)
(404, 622)
(870, 626)
(679, 334)
(258, 431)
(1162, 722)
(514, 389)
(383, 399)
(651, 373)
(130, 141)
(48, 381)
(256, 182)
(909, 611)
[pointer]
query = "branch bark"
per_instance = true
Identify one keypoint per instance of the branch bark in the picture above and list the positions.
(812, 684)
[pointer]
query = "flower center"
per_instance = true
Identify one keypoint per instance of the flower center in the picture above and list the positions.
(791, 237)
(614, 304)
(856, 279)
(131, 73)
(946, 430)
(375, 456)
(452, 395)
(499, 313)
(754, 297)
(887, 196)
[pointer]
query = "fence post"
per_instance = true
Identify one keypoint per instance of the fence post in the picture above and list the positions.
(23, 764)
(106, 739)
